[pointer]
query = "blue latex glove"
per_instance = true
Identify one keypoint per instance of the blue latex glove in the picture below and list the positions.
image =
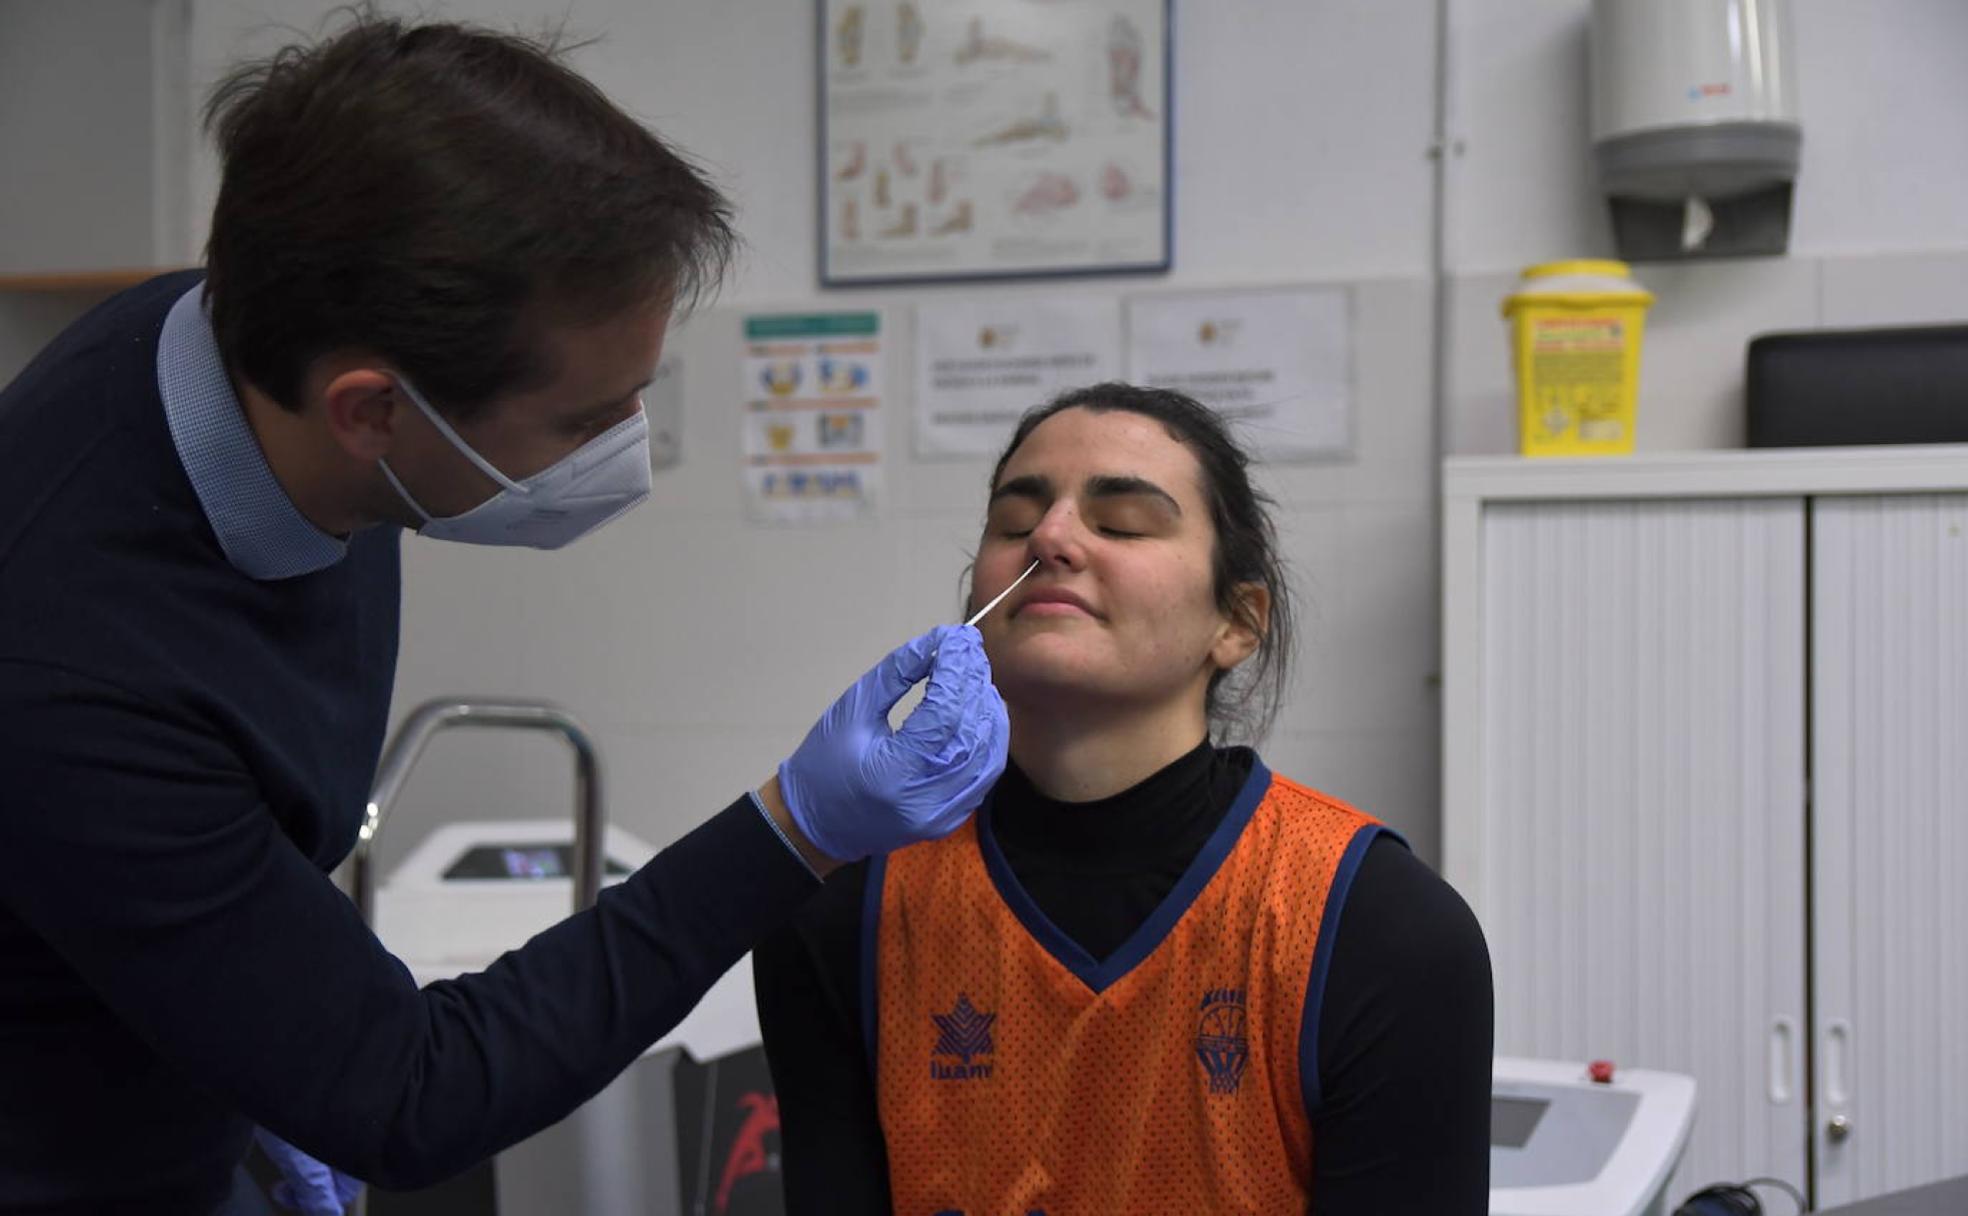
(857, 788)
(307, 1186)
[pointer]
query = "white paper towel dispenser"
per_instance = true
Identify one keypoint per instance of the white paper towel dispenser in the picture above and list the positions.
(1695, 131)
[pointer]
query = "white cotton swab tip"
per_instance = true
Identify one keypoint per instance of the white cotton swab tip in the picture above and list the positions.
(1007, 591)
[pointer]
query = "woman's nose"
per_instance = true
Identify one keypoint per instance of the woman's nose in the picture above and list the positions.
(1058, 540)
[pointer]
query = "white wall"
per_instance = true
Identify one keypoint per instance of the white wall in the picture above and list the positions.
(85, 93)
(1879, 233)
(1343, 195)
(1704, 315)
(1883, 99)
(701, 647)
(75, 91)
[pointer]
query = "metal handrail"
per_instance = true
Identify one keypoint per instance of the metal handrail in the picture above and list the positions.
(590, 819)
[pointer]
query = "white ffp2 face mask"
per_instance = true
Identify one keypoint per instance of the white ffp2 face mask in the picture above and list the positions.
(563, 502)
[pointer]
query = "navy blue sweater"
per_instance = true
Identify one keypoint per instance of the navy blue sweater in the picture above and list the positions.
(184, 752)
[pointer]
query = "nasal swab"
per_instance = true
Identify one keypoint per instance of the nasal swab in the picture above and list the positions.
(1007, 591)
(1000, 597)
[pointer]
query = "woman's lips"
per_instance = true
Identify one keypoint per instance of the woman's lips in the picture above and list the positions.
(1053, 608)
(1055, 602)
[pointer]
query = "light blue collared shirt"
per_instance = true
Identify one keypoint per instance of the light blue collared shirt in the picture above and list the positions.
(263, 533)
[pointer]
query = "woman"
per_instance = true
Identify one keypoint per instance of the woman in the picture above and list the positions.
(1128, 986)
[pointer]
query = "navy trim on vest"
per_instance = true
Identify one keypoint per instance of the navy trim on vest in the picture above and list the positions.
(1100, 975)
(1315, 984)
(871, 906)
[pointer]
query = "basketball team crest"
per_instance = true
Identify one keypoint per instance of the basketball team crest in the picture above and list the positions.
(1223, 1039)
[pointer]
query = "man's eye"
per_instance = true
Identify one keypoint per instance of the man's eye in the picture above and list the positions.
(1121, 535)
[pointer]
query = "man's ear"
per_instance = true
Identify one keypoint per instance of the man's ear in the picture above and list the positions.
(1246, 627)
(362, 406)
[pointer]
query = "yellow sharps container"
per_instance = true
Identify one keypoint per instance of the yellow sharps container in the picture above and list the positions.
(1575, 328)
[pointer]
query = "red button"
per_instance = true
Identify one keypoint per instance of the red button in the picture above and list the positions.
(1601, 1072)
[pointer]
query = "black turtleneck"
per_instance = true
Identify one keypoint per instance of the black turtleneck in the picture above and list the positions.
(1404, 1033)
(1098, 869)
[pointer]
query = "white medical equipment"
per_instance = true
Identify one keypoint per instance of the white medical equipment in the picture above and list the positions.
(1565, 1144)
(472, 891)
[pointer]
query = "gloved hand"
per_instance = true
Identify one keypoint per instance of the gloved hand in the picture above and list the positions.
(857, 788)
(308, 1186)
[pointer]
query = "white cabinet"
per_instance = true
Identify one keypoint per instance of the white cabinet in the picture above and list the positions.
(1889, 750)
(1706, 784)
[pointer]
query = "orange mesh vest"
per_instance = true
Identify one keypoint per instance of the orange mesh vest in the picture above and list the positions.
(1017, 1075)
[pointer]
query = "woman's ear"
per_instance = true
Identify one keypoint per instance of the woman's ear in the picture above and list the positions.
(1243, 632)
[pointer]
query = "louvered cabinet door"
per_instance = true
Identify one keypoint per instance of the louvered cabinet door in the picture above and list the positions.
(1889, 785)
(1641, 751)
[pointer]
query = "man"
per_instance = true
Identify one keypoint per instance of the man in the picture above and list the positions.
(440, 271)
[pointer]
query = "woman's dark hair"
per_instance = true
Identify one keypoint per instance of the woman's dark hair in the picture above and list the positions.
(444, 196)
(1242, 701)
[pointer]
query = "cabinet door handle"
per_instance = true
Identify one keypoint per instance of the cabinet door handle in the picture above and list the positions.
(1838, 1062)
(1783, 1060)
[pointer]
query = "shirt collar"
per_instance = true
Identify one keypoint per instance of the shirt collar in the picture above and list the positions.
(263, 533)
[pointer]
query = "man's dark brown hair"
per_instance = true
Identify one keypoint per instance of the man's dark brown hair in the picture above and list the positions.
(443, 196)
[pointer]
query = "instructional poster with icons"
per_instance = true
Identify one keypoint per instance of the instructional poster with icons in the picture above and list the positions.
(1278, 364)
(992, 138)
(812, 427)
(981, 363)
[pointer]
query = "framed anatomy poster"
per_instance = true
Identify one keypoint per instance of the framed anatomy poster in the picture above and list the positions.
(974, 139)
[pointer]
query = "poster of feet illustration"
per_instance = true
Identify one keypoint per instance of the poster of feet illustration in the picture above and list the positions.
(992, 138)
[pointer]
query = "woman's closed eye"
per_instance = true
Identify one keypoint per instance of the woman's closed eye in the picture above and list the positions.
(1019, 530)
(1014, 520)
(1112, 533)
(1130, 517)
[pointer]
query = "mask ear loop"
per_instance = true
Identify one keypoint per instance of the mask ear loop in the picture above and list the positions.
(403, 493)
(456, 441)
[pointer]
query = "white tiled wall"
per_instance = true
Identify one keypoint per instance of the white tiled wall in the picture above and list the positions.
(1704, 315)
(700, 647)
(1896, 289)
(75, 100)
(1881, 98)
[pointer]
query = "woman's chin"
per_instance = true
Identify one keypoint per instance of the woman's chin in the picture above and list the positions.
(1047, 660)
(1027, 680)
(1048, 690)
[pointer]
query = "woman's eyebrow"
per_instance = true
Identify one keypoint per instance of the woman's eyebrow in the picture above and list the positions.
(1122, 487)
(1032, 485)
